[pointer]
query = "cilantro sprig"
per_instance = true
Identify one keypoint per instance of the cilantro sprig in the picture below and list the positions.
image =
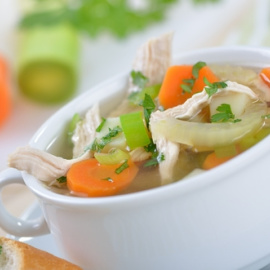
(212, 88)
(224, 114)
(98, 145)
(188, 84)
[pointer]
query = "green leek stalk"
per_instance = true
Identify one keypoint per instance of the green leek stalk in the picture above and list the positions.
(47, 69)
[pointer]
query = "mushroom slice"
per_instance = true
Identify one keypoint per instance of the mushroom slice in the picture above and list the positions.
(42, 165)
(85, 131)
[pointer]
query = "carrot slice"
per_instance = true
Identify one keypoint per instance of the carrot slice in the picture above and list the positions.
(96, 180)
(5, 98)
(265, 75)
(205, 72)
(212, 161)
(171, 94)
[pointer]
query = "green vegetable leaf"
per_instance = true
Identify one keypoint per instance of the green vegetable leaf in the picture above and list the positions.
(62, 179)
(196, 68)
(138, 79)
(188, 85)
(99, 128)
(98, 145)
(225, 114)
(1, 248)
(266, 116)
(122, 167)
(212, 88)
(93, 17)
(148, 107)
(156, 156)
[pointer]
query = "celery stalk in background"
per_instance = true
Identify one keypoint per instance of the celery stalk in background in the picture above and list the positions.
(48, 62)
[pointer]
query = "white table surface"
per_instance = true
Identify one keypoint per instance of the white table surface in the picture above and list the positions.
(231, 22)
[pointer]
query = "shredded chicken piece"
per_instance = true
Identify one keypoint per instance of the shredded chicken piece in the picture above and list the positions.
(194, 104)
(85, 131)
(139, 154)
(153, 59)
(170, 150)
(42, 165)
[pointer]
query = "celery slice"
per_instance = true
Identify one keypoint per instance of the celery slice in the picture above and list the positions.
(134, 129)
(113, 157)
(48, 62)
(210, 135)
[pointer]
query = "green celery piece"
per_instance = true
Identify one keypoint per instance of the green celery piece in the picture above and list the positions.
(113, 157)
(48, 62)
(134, 129)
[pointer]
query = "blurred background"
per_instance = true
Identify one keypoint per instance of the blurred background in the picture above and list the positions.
(53, 50)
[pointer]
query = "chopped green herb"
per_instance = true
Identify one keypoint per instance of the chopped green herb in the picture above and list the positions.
(266, 116)
(196, 68)
(212, 88)
(93, 17)
(154, 161)
(122, 167)
(62, 179)
(109, 179)
(99, 128)
(156, 157)
(148, 107)
(98, 145)
(139, 79)
(189, 83)
(1, 248)
(187, 87)
(225, 114)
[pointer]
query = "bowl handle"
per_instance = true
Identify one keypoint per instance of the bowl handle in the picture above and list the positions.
(14, 225)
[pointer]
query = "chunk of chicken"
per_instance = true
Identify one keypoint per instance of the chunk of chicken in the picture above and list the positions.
(42, 165)
(85, 131)
(153, 59)
(47, 167)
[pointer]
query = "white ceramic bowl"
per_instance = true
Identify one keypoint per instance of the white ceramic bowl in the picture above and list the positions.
(217, 220)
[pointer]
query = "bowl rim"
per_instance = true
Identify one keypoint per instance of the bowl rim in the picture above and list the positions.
(167, 192)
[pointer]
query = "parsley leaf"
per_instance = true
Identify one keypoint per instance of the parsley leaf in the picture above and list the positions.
(212, 88)
(196, 68)
(62, 179)
(189, 83)
(122, 167)
(225, 114)
(1, 249)
(266, 116)
(99, 128)
(98, 145)
(93, 17)
(148, 107)
(156, 156)
(138, 79)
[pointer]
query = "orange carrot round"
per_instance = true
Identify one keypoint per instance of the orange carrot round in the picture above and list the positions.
(265, 75)
(96, 180)
(5, 98)
(171, 94)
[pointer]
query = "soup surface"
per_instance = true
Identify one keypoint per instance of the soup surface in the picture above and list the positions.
(191, 138)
